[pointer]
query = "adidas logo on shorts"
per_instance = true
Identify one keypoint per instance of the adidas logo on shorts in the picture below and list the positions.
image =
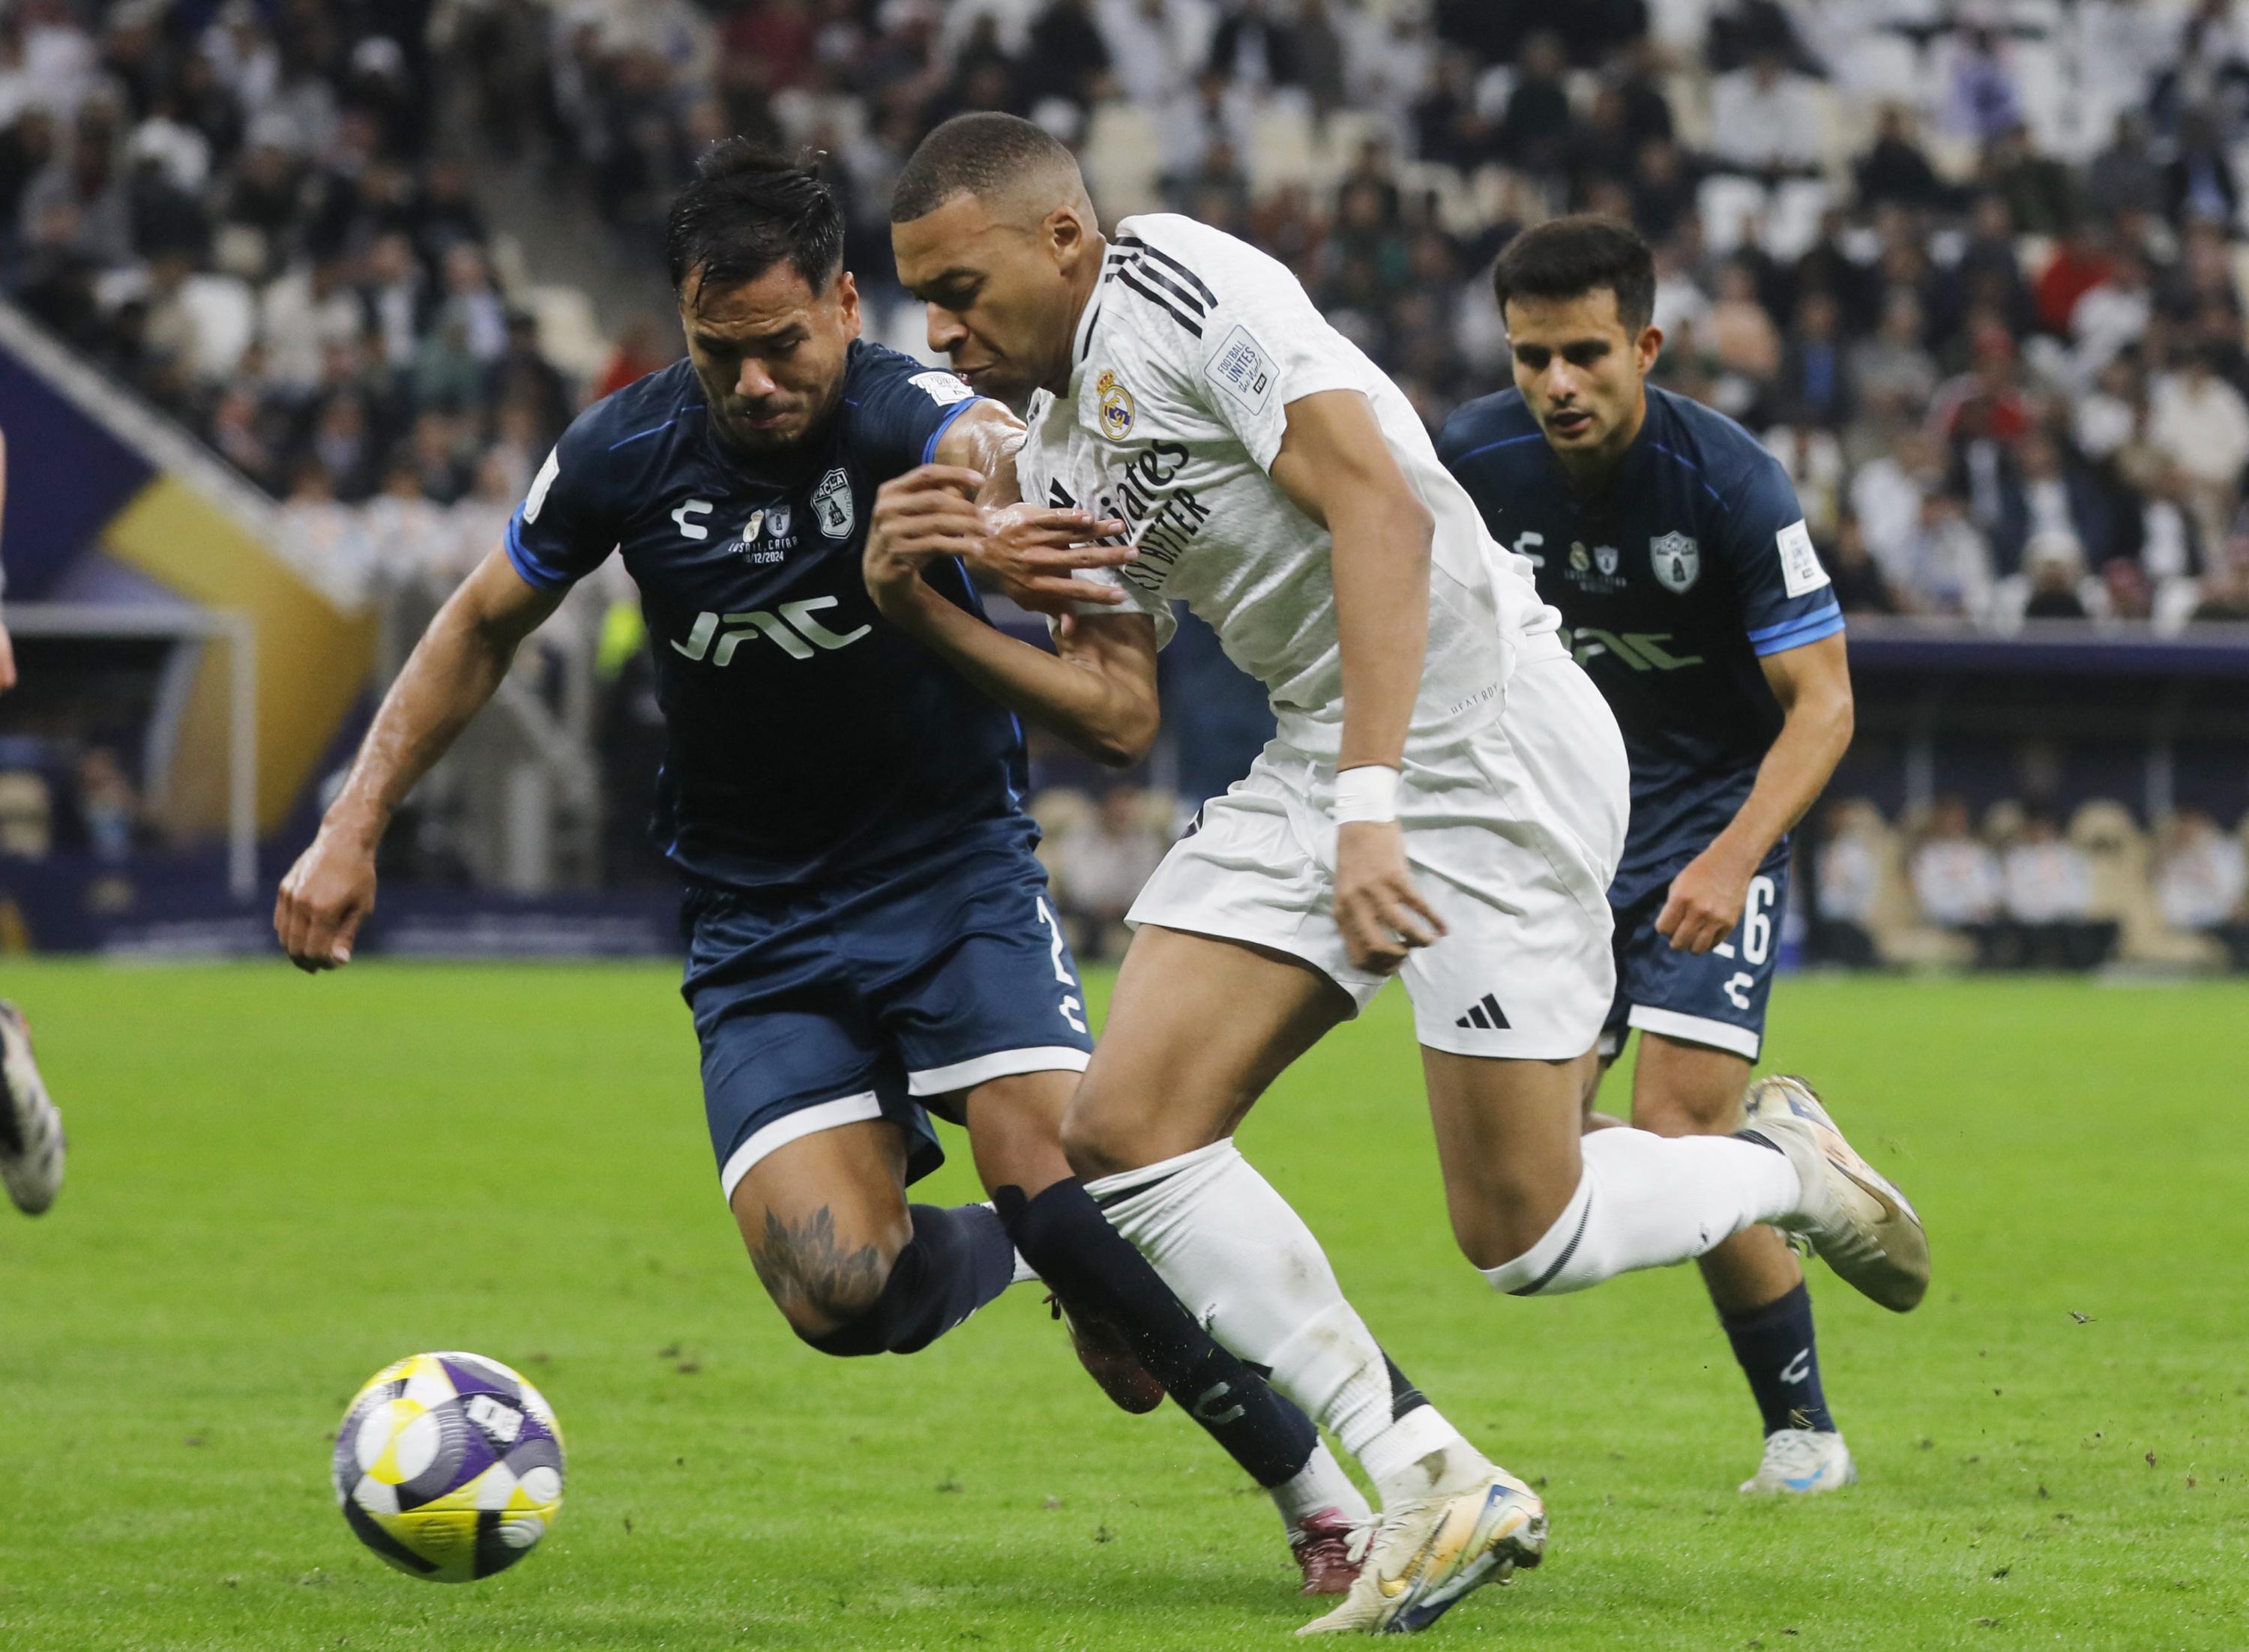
(1485, 1013)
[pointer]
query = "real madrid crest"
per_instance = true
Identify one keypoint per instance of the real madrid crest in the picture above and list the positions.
(1116, 406)
(1677, 560)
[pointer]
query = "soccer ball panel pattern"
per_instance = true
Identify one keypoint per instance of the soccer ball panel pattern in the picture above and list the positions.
(448, 1466)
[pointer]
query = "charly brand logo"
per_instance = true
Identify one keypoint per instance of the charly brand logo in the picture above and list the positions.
(1678, 561)
(1117, 408)
(791, 629)
(831, 504)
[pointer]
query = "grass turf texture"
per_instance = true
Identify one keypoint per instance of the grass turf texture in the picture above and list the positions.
(278, 1184)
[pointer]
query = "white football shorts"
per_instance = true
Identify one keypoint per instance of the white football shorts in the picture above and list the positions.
(1513, 834)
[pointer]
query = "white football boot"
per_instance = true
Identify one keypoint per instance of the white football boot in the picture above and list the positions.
(1856, 1220)
(1428, 1555)
(1801, 1462)
(30, 1130)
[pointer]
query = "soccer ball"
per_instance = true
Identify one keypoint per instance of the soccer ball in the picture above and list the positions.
(448, 1466)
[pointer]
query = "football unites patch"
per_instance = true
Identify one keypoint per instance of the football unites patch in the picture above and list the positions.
(448, 1466)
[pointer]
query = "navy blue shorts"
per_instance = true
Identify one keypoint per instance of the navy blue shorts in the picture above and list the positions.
(875, 995)
(1715, 997)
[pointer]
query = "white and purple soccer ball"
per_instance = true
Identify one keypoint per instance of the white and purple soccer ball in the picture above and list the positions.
(448, 1466)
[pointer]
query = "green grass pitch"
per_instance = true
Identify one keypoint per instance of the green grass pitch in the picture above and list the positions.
(278, 1184)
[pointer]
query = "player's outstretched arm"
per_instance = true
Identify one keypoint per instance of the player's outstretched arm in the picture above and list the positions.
(1335, 465)
(1097, 689)
(1814, 686)
(454, 669)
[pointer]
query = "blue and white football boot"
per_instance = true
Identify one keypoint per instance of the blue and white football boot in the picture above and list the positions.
(1801, 1463)
(30, 1130)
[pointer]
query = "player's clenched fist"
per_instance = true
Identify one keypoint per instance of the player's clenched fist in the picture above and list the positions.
(1382, 916)
(325, 897)
(1705, 900)
(1030, 552)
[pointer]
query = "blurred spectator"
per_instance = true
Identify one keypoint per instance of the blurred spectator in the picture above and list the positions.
(108, 808)
(1099, 867)
(2201, 878)
(1948, 565)
(1860, 587)
(1850, 878)
(1895, 169)
(2053, 574)
(2046, 893)
(2203, 423)
(1765, 119)
(1955, 876)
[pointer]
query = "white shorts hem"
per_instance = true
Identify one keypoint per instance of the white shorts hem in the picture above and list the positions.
(1695, 1029)
(1359, 990)
(794, 1126)
(1001, 1063)
(1461, 1041)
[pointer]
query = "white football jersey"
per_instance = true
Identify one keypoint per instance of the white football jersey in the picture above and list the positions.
(1188, 352)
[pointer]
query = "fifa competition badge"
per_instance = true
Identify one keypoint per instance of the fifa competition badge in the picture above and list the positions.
(1116, 406)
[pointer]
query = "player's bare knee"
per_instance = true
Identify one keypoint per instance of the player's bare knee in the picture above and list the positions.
(819, 1283)
(1505, 1223)
(1095, 1143)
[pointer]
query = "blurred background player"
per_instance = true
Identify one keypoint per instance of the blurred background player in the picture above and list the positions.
(870, 935)
(1674, 547)
(1434, 736)
(31, 1145)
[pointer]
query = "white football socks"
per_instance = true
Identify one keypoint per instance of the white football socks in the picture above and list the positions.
(1321, 1483)
(1646, 1199)
(1245, 1265)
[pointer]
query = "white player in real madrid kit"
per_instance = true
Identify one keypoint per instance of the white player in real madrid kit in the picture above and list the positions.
(1446, 799)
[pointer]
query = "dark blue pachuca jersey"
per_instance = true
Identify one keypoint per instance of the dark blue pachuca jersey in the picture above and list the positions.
(804, 735)
(1690, 564)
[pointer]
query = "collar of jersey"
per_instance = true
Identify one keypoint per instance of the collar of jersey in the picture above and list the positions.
(1081, 347)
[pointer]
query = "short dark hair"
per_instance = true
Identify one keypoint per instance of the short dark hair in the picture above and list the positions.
(1569, 257)
(978, 154)
(748, 209)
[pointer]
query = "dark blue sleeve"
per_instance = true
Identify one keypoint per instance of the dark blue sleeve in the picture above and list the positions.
(899, 409)
(1786, 600)
(569, 521)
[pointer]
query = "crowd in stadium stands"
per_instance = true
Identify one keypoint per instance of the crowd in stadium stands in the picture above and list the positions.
(1972, 270)
(2027, 889)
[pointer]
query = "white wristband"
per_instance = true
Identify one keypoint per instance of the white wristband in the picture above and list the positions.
(1368, 793)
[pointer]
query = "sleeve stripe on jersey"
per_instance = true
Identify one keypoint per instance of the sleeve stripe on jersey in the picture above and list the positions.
(653, 429)
(535, 573)
(1692, 469)
(1798, 632)
(1161, 302)
(1208, 297)
(929, 448)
